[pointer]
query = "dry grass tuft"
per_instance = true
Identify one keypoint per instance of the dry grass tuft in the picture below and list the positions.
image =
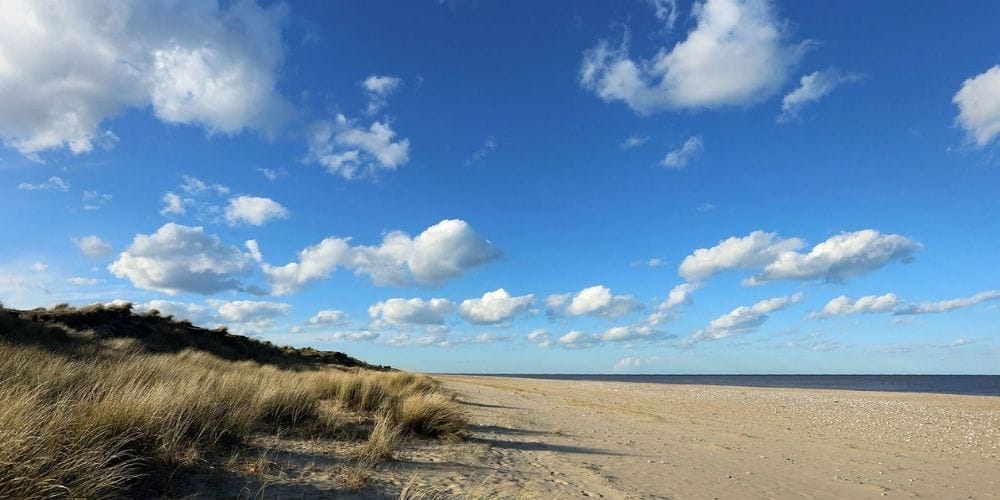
(431, 414)
(384, 439)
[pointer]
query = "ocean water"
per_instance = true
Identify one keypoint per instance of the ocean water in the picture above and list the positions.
(975, 385)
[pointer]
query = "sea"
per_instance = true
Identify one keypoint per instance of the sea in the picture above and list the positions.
(972, 385)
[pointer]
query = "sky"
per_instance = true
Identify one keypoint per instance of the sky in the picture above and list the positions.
(659, 186)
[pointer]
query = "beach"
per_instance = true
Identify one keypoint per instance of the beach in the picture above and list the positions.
(570, 439)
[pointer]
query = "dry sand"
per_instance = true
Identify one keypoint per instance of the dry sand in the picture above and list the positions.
(571, 439)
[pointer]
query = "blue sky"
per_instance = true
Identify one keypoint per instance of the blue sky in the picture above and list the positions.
(724, 186)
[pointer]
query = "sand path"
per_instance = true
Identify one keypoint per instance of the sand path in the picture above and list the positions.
(571, 439)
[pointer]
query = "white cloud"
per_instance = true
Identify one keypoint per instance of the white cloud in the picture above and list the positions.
(754, 250)
(39, 267)
(358, 336)
(195, 313)
(744, 319)
(250, 311)
(812, 88)
(246, 316)
(253, 210)
(379, 88)
(627, 363)
(737, 54)
(633, 141)
(93, 200)
(172, 205)
(578, 340)
(497, 306)
(978, 104)
(349, 151)
(195, 186)
(54, 183)
(844, 306)
(666, 11)
(629, 333)
(950, 304)
(272, 174)
(678, 296)
(178, 259)
(93, 246)
(67, 68)
(840, 257)
(315, 262)
(489, 144)
(557, 300)
(78, 281)
(328, 317)
(680, 157)
(598, 301)
(445, 250)
(405, 339)
(540, 338)
(412, 311)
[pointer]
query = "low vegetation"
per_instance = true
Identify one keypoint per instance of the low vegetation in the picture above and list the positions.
(94, 399)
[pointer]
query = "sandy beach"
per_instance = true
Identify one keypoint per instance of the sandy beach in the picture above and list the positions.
(571, 439)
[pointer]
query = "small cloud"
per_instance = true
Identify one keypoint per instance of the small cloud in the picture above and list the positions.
(488, 146)
(77, 281)
(379, 88)
(54, 183)
(253, 210)
(812, 88)
(93, 200)
(652, 262)
(633, 141)
(39, 267)
(978, 104)
(272, 174)
(706, 207)
(680, 157)
(627, 363)
(93, 247)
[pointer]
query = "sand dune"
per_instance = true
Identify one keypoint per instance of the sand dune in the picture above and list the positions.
(629, 440)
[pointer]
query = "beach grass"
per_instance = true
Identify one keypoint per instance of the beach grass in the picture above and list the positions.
(88, 408)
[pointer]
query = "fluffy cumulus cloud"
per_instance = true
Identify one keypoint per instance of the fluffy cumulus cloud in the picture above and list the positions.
(844, 306)
(68, 67)
(978, 104)
(840, 257)
(445, 250)
(680, 157)
(738, 53)
(599, 301)
(93, 246)
(497, 306)
(812, 88)
(178, 259)
(950, 304)
(350, 151)
(744, 319)
(253, 210)
(411, 311)
(754, 250)
(328, 317)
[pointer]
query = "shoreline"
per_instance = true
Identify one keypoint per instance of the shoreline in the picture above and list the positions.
(989, 385)
(641, 440)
